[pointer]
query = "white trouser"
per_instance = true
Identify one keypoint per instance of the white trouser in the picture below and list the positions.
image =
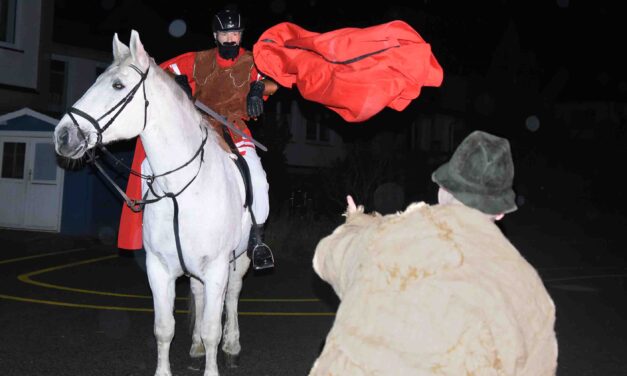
(260, 186)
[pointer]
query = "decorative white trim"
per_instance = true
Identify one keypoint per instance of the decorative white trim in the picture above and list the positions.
(27, 111)
(30, 134)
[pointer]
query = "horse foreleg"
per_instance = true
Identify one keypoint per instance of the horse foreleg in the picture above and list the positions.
(198, 349)
(230, 338)
(163, 294)
(215, 280)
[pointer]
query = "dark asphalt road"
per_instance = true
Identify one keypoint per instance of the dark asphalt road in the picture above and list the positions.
(53, 323)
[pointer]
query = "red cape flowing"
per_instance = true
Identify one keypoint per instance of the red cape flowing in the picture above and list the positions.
(354, 72)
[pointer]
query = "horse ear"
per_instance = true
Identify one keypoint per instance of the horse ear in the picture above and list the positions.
(120, 50)
(137, 51)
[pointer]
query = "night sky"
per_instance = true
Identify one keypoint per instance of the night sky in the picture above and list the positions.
(569, 49)
(579, 36)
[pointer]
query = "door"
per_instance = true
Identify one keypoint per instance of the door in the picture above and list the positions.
(31, 184)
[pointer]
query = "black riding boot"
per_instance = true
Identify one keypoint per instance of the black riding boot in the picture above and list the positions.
(258, 251)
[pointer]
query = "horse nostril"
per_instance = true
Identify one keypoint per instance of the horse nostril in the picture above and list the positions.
(63, 138)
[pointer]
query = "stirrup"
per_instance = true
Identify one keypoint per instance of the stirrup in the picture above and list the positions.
(261, 257)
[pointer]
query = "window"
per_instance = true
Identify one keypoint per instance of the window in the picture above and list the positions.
(316, 131)
(45, 168)
(323, 133)
(57, 82)
(312, 130)
(7, 21)
(13, 160)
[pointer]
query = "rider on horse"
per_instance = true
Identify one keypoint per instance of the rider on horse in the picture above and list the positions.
(226, 80)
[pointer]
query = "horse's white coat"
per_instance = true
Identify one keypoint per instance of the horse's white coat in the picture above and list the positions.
(212, 219)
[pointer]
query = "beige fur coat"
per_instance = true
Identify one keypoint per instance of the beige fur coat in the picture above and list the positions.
(435, 290)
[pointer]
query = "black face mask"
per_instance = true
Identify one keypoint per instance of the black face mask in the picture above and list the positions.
(228, 50)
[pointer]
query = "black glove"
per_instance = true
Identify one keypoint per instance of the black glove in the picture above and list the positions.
(181, 80)
(254, 100)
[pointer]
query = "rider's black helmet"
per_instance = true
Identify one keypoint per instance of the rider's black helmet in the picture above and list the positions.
(227, 19)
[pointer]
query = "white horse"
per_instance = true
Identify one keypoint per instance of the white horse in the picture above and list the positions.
(135, 97)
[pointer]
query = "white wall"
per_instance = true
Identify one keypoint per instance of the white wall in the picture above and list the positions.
(81, 74)
(19, 60)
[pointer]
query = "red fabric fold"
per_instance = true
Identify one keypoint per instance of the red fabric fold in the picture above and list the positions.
(130, 230)
(354, 72)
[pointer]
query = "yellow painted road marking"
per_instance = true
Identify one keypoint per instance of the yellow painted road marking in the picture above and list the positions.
(74, 305)
(582, 277)
(26, 278)
(286, 300)
(40, 255)
(182, 311)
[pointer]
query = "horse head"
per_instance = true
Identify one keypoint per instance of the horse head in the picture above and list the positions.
(113, 108)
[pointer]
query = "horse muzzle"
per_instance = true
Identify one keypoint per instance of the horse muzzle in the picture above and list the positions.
(69, 141)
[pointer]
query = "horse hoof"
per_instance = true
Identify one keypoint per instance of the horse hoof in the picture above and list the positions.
(196, 365)
(197, 350)
(231, 360)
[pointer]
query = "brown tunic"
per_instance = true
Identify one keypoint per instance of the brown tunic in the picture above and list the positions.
(224, 89)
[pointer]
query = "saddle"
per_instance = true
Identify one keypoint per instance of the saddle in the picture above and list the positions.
(226, 143)
(241, 164)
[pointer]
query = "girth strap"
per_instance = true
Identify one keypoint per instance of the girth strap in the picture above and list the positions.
(242, 166)
(177, 237)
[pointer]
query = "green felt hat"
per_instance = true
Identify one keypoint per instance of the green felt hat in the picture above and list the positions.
(480, 174)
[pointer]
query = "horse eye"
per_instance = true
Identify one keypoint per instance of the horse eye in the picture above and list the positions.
(117, 85)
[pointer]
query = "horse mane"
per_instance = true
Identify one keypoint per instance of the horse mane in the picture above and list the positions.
(171, 84)
(168, 80)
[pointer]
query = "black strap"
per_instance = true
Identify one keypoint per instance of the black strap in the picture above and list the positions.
(152, 177)
(177, 238)
(348, 61)
(241, 164)
(138, 205)
(118, 106)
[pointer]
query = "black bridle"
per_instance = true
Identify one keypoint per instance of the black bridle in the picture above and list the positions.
(137, 205)
(133, 204)
(119, 106)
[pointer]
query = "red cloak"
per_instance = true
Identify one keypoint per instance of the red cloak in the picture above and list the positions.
(354, 72)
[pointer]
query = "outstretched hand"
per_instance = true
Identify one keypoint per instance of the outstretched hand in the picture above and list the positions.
(254, 100)
(351, 204)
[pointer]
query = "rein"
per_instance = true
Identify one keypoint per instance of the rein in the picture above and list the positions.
(138, 205)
